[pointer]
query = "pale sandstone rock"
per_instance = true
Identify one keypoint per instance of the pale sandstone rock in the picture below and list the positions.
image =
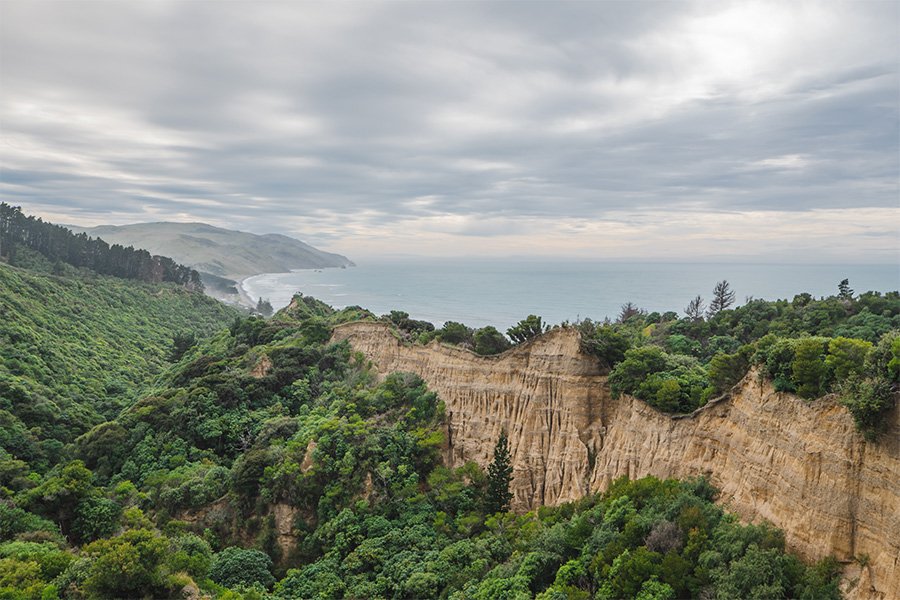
(308, 460)
(800, 465)
(285, 517)
(222, 510)
(262, 367)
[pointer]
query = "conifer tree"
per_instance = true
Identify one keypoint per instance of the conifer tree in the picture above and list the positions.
(499, 476)
(844, 291)
(694, 310)
(264, 307)
(629, 309)
(526, 329)
(723, 297)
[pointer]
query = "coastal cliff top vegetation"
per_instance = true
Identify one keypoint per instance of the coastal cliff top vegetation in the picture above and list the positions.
(845, 343)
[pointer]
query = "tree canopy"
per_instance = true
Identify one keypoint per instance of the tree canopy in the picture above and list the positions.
(58, 244)
(499, 476)
(528, 328)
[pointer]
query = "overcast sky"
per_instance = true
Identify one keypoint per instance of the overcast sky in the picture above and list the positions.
(674, 130)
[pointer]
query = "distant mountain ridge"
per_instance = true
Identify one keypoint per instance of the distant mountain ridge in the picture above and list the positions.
(223, 253)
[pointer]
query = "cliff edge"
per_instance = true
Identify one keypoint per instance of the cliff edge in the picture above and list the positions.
(800, 465)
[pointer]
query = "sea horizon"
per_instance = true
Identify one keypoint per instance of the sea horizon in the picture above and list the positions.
(499, 292)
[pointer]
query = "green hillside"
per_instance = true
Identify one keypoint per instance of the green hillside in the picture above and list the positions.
(76, 349)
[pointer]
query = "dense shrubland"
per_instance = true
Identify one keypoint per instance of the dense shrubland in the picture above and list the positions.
(841, 344)
(378, 515)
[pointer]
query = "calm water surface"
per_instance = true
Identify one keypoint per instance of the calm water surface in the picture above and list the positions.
(500, 293)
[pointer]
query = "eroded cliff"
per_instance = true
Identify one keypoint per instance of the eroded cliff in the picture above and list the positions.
(800, 465)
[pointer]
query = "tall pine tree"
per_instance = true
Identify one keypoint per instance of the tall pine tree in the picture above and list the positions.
(499, 476)
(723, 297)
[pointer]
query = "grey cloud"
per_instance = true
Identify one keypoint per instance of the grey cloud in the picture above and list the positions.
(552, 110)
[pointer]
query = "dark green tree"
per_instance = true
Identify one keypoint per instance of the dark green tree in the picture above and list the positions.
(844, 291)
(455, 333)
(723, 297)
(526, 329)
(884, 360)
(629, 310)
(490, 341)
(808, 370)
(868, 400)
(499, 476)
(95, 517)
(412, 327)
(603, 341)
(634, 369)
(181, 343)
(126, 566)
(694, 309)
(725, 370)
(60, 493)
(847, 357)
(191, 554)
(264, 307)
(237, 566)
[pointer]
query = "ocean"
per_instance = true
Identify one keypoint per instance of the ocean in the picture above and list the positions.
(500, 293)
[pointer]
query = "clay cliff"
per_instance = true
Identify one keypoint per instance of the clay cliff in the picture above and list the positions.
(800, 465)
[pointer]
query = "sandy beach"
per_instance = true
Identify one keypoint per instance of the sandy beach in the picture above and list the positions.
(244, 297)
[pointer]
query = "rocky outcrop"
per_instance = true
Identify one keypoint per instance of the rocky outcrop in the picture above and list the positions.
(223, 515)
(262, 367)
(800, 465)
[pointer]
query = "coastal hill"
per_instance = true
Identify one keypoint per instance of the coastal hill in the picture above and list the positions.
(217, 252)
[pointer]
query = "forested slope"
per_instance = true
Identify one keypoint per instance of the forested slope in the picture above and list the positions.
(77, 349)
(800, 464)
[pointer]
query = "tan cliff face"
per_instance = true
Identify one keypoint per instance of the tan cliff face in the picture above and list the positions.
(800, 465)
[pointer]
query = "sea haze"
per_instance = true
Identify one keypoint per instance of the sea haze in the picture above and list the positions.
(500, 293)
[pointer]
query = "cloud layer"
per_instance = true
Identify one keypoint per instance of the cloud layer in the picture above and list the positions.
(605, 129)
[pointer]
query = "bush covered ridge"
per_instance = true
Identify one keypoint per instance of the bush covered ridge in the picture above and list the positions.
(269, 412)
(841, 344)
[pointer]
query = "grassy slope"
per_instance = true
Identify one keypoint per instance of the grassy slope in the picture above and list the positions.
(76, 349)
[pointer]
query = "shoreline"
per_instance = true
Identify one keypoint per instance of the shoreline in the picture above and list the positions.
(243, 297)
(247, 301)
